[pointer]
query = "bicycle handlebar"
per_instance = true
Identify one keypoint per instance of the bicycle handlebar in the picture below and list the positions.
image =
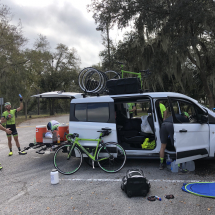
(72, 136)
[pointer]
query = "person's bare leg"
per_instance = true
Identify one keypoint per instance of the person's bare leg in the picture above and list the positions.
(18, 146)
(17, 141)
(162, 152)
(10, 144)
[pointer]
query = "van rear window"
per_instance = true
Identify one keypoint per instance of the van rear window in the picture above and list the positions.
(92, 112)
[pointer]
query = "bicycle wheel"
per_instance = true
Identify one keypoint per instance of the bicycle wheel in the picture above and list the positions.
(63, 164)
(93, 81)
(112, 74)
(80, 77)
(114, 155)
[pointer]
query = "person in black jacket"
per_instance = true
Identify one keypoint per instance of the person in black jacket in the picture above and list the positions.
(166, 132)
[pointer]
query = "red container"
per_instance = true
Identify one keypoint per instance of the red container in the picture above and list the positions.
(62, 129)
(40, 129)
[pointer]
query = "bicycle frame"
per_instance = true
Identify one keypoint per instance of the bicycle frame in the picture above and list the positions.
(134, 73)
(93, 157)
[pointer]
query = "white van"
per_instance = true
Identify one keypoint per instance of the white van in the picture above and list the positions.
(192, 140)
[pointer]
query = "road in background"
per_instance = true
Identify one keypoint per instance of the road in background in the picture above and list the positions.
(26, 184)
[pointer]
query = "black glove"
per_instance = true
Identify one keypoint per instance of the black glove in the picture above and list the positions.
(21, 99)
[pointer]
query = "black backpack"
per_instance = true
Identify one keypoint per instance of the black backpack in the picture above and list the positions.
(135, 184)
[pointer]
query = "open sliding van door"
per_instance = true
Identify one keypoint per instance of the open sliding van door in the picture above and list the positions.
(191, 139)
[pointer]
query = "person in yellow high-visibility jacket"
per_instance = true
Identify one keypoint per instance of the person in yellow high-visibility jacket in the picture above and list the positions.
(163, 111)
(131, 109)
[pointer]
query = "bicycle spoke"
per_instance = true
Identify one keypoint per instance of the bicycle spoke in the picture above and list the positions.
(115, 158)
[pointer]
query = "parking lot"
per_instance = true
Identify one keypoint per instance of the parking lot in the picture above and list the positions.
(26, 185)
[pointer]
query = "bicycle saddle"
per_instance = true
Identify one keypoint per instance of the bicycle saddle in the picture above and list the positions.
(106, 129)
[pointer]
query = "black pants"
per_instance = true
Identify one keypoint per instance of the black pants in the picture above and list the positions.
(166, 132)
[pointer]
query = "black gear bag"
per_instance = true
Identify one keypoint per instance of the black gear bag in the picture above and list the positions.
(135, 184)
(123, 86)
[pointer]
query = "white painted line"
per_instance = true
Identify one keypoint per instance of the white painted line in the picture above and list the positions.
(151, 180)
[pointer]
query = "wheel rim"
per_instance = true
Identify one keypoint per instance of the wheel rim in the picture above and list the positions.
(65, 166)
(115, 161)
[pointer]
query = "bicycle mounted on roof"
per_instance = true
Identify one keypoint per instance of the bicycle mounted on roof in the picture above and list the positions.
(94, 81)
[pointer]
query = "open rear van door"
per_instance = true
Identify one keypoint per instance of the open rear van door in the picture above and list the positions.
(191, 139)
(59, 94)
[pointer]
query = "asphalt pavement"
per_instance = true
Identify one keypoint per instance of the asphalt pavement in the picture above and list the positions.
(26, 184)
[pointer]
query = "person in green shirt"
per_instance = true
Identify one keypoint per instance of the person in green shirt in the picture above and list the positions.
(8, 117)
(163, 111)
(8, 131)
(131, 108)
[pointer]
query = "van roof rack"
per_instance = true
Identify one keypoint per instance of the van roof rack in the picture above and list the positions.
(85, 94)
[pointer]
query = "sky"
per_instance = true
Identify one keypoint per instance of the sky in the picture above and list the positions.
(61, 21)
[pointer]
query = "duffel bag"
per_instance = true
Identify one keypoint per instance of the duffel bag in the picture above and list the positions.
(123, 86)
(135, 183)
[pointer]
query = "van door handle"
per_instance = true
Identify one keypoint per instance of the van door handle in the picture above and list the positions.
(183, 130)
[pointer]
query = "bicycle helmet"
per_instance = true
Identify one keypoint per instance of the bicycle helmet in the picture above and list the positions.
(7, 103)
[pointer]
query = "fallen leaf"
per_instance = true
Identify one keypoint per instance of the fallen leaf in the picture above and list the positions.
(47, 208)
(73, 208)
(71, 197)
(209, 209)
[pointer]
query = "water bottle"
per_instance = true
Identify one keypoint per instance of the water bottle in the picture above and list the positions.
(158, 198)
(174, 167)
(54, 176)
(58, 139)
(190, 165)
(168, 162)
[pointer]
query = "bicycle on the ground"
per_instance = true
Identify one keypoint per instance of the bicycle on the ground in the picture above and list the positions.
(110, 156)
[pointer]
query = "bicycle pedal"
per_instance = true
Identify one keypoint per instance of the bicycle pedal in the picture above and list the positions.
(41, 153)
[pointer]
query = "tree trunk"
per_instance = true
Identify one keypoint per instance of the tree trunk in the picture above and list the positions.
(51, 107)
(207, 89)
(26, 115)
(38, 106)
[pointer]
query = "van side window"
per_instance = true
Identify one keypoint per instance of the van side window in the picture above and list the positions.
(98, 112)
(193, 110)
(92, 112)
(81, 112)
